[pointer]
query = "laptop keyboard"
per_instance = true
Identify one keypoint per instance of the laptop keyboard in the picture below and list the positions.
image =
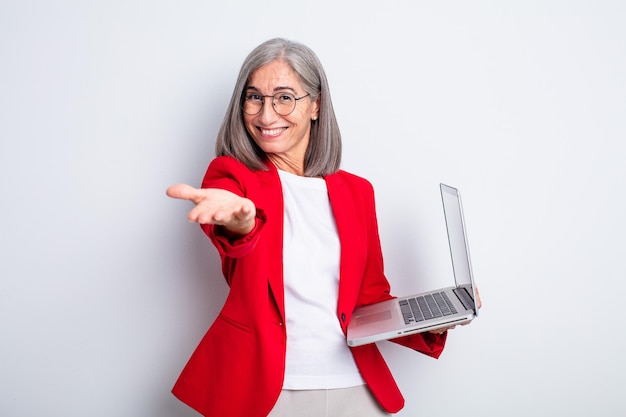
(426, 307)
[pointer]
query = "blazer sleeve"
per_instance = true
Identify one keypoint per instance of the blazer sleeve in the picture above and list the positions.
(231, 175)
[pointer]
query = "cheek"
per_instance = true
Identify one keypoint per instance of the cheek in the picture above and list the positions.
(302, 118)
(247, 123)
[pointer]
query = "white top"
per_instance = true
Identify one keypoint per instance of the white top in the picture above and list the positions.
(317, 354)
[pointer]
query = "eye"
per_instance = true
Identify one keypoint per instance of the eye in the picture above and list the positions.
(284, 98)
(253, 96)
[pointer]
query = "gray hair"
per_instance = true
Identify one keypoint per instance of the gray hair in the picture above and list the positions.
(323, 155)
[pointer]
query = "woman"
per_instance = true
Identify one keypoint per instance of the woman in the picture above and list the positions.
(299, 244)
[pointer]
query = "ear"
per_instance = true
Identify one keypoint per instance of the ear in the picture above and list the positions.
(315, 112)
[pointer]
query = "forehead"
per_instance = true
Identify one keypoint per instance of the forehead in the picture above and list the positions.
(277, 75)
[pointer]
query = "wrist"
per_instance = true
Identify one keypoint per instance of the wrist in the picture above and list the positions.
(235, 232)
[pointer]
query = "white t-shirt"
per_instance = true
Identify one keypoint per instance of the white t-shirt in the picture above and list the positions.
(317, 354)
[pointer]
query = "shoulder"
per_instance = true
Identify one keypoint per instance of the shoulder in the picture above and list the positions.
(226, 165)
(348, 179)
(347, 186)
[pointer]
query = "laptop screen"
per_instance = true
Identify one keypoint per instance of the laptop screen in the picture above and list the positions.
(457, 239)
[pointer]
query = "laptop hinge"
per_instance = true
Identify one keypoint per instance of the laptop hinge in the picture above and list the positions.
(464, 297)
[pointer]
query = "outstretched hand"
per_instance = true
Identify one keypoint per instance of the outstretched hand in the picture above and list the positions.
(217, 206)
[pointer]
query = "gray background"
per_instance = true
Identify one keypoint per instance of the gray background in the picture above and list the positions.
(105, 288)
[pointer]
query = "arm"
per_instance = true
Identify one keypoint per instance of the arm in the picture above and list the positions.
(376, 288)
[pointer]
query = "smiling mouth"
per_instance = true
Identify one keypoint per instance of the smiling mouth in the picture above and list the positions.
(272, 132)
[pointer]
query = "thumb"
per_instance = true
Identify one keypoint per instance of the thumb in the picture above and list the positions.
(183, 192)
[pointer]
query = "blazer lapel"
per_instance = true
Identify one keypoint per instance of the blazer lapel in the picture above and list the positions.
(273, 205)
(344, 210)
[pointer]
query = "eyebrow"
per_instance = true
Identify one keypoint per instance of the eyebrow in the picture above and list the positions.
(276, 89)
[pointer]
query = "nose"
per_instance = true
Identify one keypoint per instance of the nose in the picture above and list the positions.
(267, 115)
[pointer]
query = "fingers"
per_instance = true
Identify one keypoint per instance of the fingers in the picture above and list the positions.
(233, 215)
(245, 212)
(207, 213)
(478, 300)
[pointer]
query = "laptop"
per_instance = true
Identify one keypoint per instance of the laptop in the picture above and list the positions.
(429, 310)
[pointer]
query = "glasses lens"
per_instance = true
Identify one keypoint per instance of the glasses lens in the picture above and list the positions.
(284, 103)
(252, 102)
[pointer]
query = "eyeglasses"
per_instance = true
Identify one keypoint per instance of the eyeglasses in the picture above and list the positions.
(284, 103)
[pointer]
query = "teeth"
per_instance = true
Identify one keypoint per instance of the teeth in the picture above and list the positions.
(271, 132)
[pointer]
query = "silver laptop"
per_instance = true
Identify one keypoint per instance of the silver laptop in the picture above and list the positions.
(430, 310)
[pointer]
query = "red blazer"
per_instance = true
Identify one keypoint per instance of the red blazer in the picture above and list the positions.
(237, 369)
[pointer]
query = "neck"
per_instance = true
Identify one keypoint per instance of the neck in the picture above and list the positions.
(287, 164)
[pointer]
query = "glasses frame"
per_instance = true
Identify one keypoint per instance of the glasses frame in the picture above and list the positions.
(263, 96)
